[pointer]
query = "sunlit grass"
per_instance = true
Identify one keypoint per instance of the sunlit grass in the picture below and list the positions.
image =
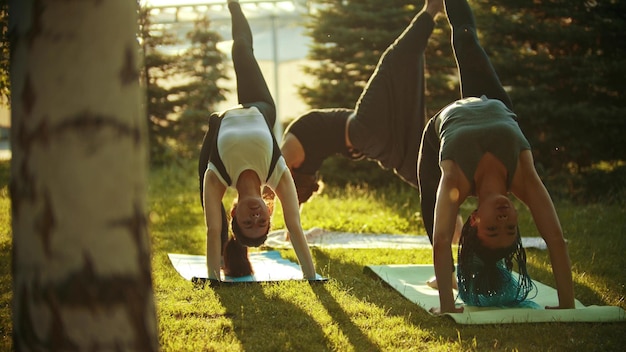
(6, 281)
(351, 210)
(353, 311)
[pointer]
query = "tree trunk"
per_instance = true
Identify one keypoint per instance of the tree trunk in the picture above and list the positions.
(81, 252)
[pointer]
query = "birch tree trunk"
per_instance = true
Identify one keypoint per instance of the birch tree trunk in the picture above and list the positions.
(81, 253)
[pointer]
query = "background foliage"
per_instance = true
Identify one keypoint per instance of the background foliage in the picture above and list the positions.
(181, 88)
(561, 61)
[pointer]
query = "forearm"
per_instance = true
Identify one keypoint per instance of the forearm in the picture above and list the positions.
(562, 270)
(538, 200)
(442, 259)
(300, 246)
(286, 192)
(213, 254)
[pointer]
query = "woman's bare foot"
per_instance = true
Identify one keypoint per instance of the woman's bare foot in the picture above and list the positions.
(432, 283)
(433, 7)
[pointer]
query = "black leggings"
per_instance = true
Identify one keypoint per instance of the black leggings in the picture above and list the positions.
(477, 77)
(251, 86)
(391, 112)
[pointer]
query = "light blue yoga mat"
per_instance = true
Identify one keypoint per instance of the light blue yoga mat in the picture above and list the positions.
(317, 237)
(267, 266)
(410, 282)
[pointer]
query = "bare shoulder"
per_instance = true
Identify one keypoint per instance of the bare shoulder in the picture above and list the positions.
(212, 181)
(526, 178)
(292, 151)
(525, 166)
(449, 168)
(453, 178)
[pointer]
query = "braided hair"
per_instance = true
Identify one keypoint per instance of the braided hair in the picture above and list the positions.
(485, 276)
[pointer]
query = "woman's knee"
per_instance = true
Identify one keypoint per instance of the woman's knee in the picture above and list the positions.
(241, 48)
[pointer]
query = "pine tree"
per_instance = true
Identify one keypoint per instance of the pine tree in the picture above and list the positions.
(349, 38)
(563, 62)
(158, 70)
(181, 88)
(203, 65)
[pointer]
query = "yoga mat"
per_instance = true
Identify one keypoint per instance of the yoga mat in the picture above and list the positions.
(317, 237)
(410, 282)
(268, 266)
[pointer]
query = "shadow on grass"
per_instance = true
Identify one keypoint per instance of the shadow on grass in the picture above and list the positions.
(586, 294)
(351, 331)
(370, 289)
(249, 303)
(176, 225)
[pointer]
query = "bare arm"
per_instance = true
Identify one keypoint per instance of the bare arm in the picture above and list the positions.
(212, 195)
(527, 186)
(292, 150)
(286, 192)
(446, 210)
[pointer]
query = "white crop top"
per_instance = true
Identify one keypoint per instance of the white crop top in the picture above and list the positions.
(244, 142)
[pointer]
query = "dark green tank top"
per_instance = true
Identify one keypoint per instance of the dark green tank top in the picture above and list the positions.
(471, 127)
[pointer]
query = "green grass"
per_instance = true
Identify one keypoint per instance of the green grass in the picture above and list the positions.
(353, 311)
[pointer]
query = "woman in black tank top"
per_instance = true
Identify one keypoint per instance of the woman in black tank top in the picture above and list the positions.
(382, 127)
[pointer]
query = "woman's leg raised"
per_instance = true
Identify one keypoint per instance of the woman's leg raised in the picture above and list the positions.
(477, 75)
(390, 113)
(251, 85)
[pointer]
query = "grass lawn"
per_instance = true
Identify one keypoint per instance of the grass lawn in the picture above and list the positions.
(352, 311)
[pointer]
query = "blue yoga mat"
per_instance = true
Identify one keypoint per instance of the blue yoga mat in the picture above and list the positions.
(267, 265)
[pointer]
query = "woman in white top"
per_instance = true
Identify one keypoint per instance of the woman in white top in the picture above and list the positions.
(240, 151)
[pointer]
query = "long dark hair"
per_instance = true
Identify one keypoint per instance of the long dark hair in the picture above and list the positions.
(235, 251)
(236, 260)
(268, 198)
(485, 275)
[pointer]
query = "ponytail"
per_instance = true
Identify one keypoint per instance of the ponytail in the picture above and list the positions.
(235, 251)
(236, 261)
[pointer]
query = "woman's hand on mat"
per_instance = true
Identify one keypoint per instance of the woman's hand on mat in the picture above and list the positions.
(437, 310)
(557, 307)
